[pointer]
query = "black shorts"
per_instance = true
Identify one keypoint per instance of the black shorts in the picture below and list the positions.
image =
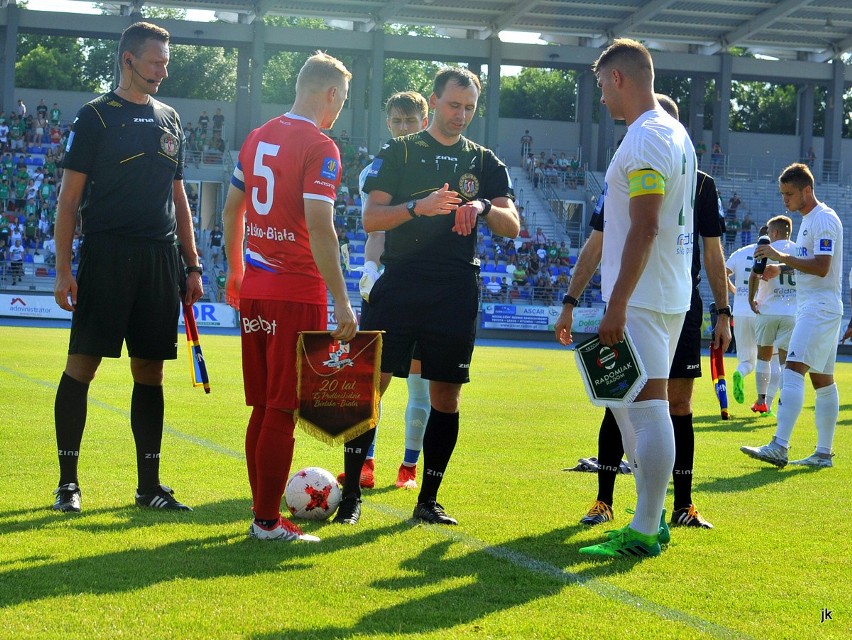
(128, 289)
(436, 315)
(366, 321)
(687, 357)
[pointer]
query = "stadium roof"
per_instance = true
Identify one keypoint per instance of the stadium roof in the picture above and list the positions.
(814, 30)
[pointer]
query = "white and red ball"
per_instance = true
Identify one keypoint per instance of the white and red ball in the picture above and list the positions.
(312, 494)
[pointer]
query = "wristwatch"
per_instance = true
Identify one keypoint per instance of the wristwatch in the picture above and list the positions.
(410, 206)
(725, 311)
(199, 270)
(486, 207)
(566, 299)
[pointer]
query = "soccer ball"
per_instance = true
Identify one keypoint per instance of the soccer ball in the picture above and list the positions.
(312, 494)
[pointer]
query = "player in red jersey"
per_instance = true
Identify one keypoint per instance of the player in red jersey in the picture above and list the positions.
(282, 196)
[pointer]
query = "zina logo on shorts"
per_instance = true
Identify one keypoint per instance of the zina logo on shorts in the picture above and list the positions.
(250, 325)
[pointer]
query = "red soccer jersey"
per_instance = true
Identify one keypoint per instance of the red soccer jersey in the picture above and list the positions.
(282, 163)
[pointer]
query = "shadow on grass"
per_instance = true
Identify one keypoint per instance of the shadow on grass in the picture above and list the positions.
(496, 579)
(198, 558)
(765, 476)
(734, 424)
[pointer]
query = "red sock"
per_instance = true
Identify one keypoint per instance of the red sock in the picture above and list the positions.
(252, 434)
(273, 456)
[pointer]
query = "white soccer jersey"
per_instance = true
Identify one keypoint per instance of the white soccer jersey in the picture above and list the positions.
(655, 142)
(740, 262)
(821, 234)
(777, 297)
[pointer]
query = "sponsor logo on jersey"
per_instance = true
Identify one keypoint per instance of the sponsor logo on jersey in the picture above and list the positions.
(330, 168)
(169, 144)
(115, 103)
(802, 252)
(374, 168)
(322, 183)
(825, 244)
(143, 119)
(468, 185)
(251, 325)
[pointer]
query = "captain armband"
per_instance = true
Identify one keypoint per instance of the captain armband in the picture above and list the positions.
(645, 182)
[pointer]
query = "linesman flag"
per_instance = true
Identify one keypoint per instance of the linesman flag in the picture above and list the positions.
(717, 368)
(197, 366)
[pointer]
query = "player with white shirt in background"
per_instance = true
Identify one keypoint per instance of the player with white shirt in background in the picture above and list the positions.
(818, 261)
(774, 302)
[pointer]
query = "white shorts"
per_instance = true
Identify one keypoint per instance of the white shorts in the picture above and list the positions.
(773, 331)
(814, 340)
(655, 336)
(746, 341)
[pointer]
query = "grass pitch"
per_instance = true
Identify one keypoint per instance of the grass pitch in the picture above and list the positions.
(776, 563)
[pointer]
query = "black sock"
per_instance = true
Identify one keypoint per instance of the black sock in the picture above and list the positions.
(684, 437)
(610, 452)
(69, 411)
(439, 440)
(354, 455)
(146, 421)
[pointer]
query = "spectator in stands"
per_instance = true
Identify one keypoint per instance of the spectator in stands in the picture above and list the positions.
(716, 158)
(732, 226)
(811, 157)
(39, 127)
(55, 115)
(217, 148)
(31, 232)
(493, 289)
(41, 109)
(4, 136)
(219, 123)
(5, 193)
(16, 259)
(563, 280)
(4, 256)
(16, 134)
(203, 121)
(49, 248)
(22, 109)
(564, 254)
(216, 244)
(540, 239)
(734, 203)
(746, 226)
(700, 150)
(5, 231)
(55, 137)
(519, 275)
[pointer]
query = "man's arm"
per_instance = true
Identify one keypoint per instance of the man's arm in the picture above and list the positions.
(319, 219)
(186, 238)
(717, 278)
(814, 265)
(65, 286)
(584, 269)
(644, 225)
(380, 215)
(234, 230)
(502, 219)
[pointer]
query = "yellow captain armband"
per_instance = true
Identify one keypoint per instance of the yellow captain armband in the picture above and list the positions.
(646, 182)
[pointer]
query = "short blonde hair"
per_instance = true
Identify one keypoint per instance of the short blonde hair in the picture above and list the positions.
(408, 103)
(782, 223)
(321, 71)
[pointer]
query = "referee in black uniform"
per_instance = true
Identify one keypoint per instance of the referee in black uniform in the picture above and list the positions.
(124, 174)
(428, 191)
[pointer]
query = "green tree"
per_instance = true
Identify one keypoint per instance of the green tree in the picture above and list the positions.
(763, 107)
(540, 94)
(43, 67)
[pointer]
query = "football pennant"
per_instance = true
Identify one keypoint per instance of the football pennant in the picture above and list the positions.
(614, 375)
(338, 384)
(197, 366)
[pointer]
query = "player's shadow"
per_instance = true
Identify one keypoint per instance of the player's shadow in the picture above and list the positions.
(198, 558)
(733, 425)
(490, 579)
(762, 477)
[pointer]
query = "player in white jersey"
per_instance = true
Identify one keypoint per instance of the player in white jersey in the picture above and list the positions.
(407, 112)
(774, 302)
(848, 333)
(818, 261)
(646, 279)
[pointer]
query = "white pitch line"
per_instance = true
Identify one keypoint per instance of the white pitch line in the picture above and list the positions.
(515, 558)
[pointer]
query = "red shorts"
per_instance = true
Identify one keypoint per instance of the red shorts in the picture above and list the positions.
(269, 330)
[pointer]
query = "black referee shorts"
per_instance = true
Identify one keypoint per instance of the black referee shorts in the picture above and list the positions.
(128, 290)
(436, 315)
(687, 357)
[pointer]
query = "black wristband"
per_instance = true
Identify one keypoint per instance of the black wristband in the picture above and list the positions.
(724, 311)
(199, 270)
(486, 207)
(566, 299)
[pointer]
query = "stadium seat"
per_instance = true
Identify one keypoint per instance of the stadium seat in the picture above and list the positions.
(361, 235)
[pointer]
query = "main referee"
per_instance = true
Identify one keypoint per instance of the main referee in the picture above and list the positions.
(428, 191)
(124, 174)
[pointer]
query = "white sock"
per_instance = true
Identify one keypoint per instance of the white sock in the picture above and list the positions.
(762, 371)
(745, 367)
(775, 378)
(793, 397)
(654, 455)
(826, 410)
(416, 411)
